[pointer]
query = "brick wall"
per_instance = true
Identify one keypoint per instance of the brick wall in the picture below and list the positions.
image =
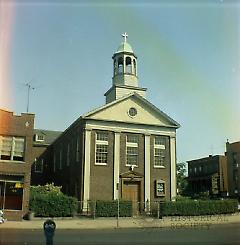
(233, 167)
(101, 177)
(21, 126)
(36, 177)
(160, 173)
(69, 176)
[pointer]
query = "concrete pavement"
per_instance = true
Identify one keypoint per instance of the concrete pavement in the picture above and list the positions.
(174, 222)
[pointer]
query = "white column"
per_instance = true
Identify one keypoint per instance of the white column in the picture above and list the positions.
(147, 177)
(116, 165)
(86, 186)
(173, 167)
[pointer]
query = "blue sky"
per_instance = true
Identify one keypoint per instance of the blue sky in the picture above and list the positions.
(188, 58)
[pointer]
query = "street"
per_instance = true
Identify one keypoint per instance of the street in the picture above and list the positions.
(221, 234)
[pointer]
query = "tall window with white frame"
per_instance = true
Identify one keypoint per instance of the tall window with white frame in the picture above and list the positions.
(101, 148)
(12, 148)
(159, 151)
(132, 150)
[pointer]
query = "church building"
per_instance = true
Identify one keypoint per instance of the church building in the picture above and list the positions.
(124, 149)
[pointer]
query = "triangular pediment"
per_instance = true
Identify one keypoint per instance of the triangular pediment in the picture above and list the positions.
(118, 111)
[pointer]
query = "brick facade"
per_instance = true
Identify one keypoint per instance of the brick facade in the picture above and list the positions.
(101, 178)
(208, 174)
(71, 177)
(11, 170)
(62, 166)
(160, 173)
(233, 165)
(41, 141)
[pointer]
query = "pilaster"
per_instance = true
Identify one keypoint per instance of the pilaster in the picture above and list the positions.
(147, 168)
(173, 167)
(87, 150)
(116, 165)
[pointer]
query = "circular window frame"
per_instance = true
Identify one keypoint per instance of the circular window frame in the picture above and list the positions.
(132, 112)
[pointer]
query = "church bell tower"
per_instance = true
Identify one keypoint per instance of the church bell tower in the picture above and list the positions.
(125, 80)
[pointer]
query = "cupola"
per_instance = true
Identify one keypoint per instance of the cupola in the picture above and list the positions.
(125, 80)
(125, 65)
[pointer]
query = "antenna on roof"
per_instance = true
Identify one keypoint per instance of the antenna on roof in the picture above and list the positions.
(29, 87)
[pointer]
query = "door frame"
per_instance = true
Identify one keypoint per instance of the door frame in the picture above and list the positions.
(132, 176)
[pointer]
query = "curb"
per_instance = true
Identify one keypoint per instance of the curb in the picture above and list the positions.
(174, 222)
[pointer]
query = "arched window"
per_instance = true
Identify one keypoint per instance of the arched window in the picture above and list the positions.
(120, 65)
(134, 67)
(115, 67)
(128, 65)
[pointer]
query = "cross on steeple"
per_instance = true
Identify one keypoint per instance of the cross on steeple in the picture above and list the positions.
(125, 35)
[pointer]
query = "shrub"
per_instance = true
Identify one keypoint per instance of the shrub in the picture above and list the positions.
(49, 201)
(199, 207)
(45, 189)
(110, 208)
(180, 198)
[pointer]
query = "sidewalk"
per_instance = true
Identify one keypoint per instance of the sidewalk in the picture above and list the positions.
(174, 222)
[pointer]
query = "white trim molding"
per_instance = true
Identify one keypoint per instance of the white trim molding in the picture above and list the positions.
(131, 128)
(147, 168)
(173, 167)
(86, 188)
(116, 165)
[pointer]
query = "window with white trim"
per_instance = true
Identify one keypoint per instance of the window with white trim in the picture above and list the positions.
(159, 151)
(12, 148)
(132, 150)
(39, 138)
(101, 148)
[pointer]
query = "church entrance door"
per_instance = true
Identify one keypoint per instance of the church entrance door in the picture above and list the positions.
(131, 192)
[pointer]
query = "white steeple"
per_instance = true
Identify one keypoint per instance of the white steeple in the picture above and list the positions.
(125, 78)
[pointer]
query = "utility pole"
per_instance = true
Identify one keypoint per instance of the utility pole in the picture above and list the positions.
(29, 87)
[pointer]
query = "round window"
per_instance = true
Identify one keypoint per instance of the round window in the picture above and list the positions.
(132, 112)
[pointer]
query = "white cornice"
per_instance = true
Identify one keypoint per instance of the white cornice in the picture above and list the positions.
(130, 128)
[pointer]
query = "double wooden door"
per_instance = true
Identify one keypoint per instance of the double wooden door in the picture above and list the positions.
(131, 192)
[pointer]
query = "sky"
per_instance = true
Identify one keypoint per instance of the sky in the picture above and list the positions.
(188, 59)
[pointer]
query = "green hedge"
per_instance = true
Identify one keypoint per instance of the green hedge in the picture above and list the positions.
(52, 204)
(110, 208)
(199, 207)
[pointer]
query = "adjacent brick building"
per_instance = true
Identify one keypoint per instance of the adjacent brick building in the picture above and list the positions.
(42, 139)
(233, 160)
(208, 174)
(16, 139)
(124, 149)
